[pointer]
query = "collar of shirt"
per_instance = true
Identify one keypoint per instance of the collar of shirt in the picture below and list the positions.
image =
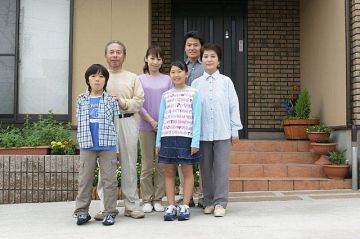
(215, 76)
(187, 61)
(87, 93)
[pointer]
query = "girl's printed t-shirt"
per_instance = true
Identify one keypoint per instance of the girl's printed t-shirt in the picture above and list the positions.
(180, 115)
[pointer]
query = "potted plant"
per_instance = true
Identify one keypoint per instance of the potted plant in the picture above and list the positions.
(298, 116)
(338, 169)
(36, 138)
(317, 132)
(322, 147)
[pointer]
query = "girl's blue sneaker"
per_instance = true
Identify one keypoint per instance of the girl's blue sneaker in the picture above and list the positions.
(170, 213)
(183, 213)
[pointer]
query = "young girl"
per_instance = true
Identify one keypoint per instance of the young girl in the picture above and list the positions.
(219, 128)
(95, 111)
(177, 141)
(154, 83)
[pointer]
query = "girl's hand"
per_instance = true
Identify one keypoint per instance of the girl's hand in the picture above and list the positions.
(194, 150)
(157, 150)
(235, 140)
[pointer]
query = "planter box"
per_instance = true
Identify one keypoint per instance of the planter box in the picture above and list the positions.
(295, 128)
(38, 150)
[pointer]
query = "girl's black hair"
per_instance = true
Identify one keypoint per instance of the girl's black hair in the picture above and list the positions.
(181, 64)
(155, 51)
(94, 69)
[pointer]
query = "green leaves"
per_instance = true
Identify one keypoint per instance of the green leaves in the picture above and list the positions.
(303, 105)
(41, 132)
(337, 157)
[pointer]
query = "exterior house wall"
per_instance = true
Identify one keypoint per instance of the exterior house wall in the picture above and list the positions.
(355, 58)
(95, 24)
(161, 28)
(274, 42)
(273, 60)
(323, 58)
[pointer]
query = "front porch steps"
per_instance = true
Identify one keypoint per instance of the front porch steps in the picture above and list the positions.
(277, 165)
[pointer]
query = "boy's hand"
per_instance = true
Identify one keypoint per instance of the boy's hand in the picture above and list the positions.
(157, 150)
(194, 150)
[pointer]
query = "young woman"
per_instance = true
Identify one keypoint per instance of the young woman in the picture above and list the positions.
(177, 141)
(154, 83)
(219, 128)
(96, 111)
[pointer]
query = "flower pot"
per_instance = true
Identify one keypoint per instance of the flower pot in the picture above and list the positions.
(38, 150)
(316, 136)
(295, 128)
(336, 171)
(322, 148)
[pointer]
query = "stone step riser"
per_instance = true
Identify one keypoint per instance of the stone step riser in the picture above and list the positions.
(272, 146)
(287, 185)
(278, 170)
(272, 157)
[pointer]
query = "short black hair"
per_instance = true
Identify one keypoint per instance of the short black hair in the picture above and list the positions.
(193, 34)
(211, 46)
(181, 64)
(94, 69)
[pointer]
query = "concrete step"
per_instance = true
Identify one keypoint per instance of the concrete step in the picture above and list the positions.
(272, 146)
(292, 195)
(243, 184)
(248, 157)
(276, 170)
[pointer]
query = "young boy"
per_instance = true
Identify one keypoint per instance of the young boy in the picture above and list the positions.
(96, 135)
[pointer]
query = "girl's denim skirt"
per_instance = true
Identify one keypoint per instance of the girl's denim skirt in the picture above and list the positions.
(177, 150)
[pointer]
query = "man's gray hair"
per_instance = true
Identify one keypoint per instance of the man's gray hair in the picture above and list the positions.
(116, 42)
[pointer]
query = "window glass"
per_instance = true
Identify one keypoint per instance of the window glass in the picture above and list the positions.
(7, 55)
(7, 26)
(44, 56)
(7, 70)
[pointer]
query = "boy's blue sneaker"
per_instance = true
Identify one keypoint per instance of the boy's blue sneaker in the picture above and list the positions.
(183, 213)
(108, 220)
(83, 218)
(170, 213)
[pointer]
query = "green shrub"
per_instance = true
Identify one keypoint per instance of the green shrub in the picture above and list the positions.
(337, 157)
(303, 105)
(39, 133)
(318, 128)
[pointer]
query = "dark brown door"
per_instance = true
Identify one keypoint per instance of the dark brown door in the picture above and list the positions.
(221, 22)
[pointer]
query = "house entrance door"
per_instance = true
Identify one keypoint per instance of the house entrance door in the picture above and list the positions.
(224, 23)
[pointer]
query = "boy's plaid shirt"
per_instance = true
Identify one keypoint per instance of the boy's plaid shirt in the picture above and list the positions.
(107, 112)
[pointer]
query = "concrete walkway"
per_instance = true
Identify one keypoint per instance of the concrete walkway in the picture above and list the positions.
(308, 214)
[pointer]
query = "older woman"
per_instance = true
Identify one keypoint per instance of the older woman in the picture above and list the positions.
(219, 128)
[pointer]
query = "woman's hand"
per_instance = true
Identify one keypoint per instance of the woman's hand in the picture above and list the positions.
(157, 150)
(194, 150)
(154, 125)
(235, 140)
